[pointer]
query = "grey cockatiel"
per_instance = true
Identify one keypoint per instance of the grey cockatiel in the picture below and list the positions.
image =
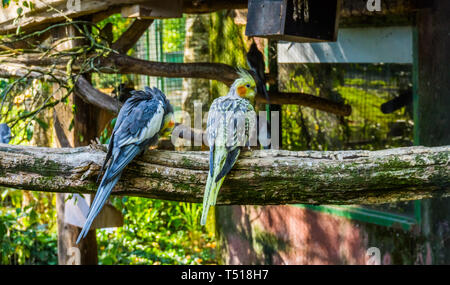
(230, 119)
(143, 118)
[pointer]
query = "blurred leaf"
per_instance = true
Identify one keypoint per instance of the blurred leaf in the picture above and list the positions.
(41, 123)
(72, 123)
(29, 132)
(5, 3)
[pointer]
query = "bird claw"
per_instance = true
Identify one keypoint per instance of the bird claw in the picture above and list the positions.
(97, 146)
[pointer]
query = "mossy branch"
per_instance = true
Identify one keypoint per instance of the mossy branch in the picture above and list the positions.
(259, 177)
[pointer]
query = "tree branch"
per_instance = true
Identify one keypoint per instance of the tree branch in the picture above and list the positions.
(130, 37)
(125, 64)
(91, 95)
(129, 65)
(319, 103)
(259, 177)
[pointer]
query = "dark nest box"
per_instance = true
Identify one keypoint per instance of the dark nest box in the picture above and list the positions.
(294, 20)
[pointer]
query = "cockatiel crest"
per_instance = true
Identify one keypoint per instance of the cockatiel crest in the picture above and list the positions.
(244, 86)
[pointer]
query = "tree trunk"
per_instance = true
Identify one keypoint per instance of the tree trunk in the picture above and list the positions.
(196, 92)
(67, 234)
(71, 130)
(432, 117)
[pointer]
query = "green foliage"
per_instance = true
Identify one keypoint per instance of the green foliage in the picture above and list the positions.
(173, 40)
(156, 232)
(118, 26)
(27, 228)
(27, 4)
(227, 45)
(305, 128)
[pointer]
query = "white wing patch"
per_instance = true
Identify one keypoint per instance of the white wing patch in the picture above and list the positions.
(151, 129)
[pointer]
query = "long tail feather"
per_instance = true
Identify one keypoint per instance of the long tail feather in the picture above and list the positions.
(109, 180)
(99, 201)
(206, 199)
(210, 197)
(215, 181)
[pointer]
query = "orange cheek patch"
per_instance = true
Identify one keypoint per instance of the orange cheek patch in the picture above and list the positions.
(241, 90)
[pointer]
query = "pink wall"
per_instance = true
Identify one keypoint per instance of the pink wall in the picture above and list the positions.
(293, 235)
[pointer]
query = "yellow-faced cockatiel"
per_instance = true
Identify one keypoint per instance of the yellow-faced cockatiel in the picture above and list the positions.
(144, 117)
(228, 129)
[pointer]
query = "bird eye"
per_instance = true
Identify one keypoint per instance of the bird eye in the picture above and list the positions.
(248, 85)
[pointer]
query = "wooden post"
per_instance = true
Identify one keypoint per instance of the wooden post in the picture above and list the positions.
(273, 87)
(432, 116)
(67, 234)
(74, 129)
(196, 91)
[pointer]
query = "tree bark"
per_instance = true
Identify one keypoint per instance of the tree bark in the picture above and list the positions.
(315, 102)
(270, 177)
(91, 95)
(129, 65)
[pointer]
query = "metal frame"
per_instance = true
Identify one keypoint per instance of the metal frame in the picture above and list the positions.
(380, 217)
(370, 216)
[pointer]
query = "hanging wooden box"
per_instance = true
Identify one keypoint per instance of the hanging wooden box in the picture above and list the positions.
(294, 20)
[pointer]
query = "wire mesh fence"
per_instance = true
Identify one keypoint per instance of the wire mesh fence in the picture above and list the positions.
(164, 41)
(367, 88)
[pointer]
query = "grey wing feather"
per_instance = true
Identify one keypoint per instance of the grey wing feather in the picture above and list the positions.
(211, 125)
(230, 112)
(146, 114)
(211, 132)
(211, 160)
(5, 133)
(127, 154)
(108, 156)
